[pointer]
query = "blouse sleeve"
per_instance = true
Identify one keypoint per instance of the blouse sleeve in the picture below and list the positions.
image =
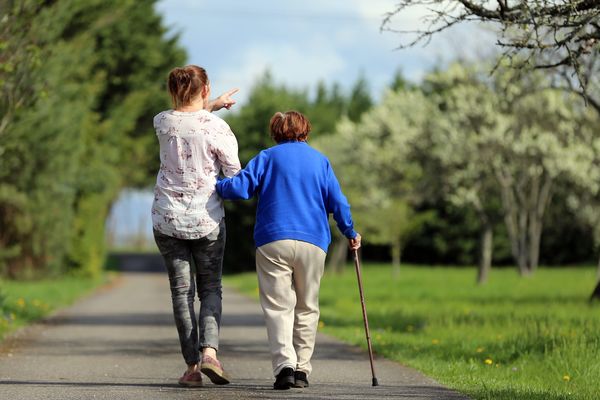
(225, 148)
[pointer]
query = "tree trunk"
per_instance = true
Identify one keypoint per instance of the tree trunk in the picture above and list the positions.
(512, 219)
(596, 293)
(338, 255)
(515, 242)
(524, 265)
(535, 238)
(396, 255)
(540, 199)
(524, 201)
(485, 256)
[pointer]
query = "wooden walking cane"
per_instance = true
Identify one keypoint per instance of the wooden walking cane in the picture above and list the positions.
(364, 313)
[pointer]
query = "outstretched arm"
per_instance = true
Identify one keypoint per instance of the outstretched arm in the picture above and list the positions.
(223, 101)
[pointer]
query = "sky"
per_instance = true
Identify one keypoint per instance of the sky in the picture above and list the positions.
(300, 43)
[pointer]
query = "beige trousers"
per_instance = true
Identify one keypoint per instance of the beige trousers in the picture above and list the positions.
(289, 277)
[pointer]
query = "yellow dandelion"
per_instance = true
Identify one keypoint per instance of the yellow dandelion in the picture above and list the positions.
(21, 302)
(566, 378)
(321, 324)
(480, 349)
(488, 361)
(435, 341)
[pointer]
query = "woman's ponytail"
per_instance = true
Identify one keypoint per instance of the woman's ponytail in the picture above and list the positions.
(185, 84)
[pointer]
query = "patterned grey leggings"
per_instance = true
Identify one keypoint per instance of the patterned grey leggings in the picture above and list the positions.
(207, 255)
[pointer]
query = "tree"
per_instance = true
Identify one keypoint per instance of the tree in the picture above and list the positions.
(588, 210)
(525, 137)
(494, 145)
(355, 105)
(459, 149)
(134, 54)
(372, 161)
(327, 107)
(359, 100)
(19, 61)
(394, 223)
(41, 141)
(586, 203)
(551, 139)
(400, 83)
(73, 125)
(553, 34)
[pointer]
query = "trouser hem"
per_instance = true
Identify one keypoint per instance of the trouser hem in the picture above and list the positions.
(211, 345)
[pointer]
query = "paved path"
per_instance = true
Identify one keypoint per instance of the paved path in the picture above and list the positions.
(121, 343)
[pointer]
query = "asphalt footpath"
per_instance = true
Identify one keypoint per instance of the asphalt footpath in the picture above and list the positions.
(121, 343)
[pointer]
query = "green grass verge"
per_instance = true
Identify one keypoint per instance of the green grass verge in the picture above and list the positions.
(513, 338)
(23, 302)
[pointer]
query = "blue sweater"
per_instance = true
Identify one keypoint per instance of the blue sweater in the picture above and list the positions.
(297, 190)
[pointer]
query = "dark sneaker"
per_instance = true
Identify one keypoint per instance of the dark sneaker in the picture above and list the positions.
(284, 379)
(300, 379)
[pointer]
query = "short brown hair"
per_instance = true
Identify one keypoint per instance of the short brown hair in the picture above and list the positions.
(185, 84)
(290, 125)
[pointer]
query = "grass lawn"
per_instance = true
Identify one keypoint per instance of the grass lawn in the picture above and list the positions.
(22, 302)
(513, 338)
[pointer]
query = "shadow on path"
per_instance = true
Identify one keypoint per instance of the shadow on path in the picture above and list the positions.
(250, 390)
(136, 262)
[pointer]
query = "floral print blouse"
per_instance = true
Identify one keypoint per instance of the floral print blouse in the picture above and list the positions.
(194, 148)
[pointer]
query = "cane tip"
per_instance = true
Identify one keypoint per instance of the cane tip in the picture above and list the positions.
(375, 383)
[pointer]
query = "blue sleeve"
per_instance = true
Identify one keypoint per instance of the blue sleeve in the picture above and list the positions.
(244, 184)
(338, 205)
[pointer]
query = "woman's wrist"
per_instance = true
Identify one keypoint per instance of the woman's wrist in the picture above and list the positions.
(209, 105)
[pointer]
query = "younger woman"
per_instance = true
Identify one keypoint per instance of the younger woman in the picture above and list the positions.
(188, 216)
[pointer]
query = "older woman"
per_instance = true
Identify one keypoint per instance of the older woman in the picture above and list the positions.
(297, 190)
(187, 214)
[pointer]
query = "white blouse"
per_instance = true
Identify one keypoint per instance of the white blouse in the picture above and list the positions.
(194, 148)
